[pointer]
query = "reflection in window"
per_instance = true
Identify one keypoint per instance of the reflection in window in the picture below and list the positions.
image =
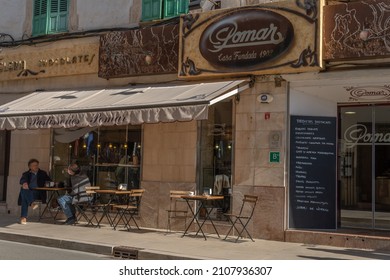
(109, 155)
(216, 155)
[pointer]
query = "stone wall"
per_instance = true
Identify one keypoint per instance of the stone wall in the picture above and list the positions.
(169, 163)
(25, 144)
(254, 173)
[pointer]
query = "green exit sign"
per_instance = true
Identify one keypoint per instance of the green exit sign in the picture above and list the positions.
(274, 157)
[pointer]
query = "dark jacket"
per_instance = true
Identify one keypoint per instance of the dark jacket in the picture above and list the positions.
(41, 179)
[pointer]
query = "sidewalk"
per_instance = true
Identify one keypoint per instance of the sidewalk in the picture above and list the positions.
(151, 244)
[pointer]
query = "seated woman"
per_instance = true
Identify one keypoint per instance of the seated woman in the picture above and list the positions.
(34, 177)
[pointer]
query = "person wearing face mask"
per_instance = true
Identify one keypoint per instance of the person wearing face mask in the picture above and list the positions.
(33, 178)
(79, 182)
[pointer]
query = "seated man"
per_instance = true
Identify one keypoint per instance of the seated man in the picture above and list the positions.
(79, 182)
(34, 177)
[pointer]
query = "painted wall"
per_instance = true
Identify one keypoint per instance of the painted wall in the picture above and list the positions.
(16, 15)
(11, 14)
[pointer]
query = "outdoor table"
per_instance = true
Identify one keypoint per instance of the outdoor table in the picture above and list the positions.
(202, 200)
(53, 193)
(113, 194)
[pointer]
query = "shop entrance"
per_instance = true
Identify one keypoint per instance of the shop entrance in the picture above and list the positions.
(364, 166)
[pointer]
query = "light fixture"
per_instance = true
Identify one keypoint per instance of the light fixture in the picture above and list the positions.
(349, 113)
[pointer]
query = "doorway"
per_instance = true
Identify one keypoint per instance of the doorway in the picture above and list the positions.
(364, 166)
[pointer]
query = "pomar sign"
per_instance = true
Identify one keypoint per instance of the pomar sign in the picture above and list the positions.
(257, 39)
(238, 41)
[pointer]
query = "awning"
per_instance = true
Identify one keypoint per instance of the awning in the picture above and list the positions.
(8, 97)
(119, 106)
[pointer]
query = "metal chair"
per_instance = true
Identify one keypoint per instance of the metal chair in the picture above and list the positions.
(132, 208)
(178, 208)
(83, 207)
(243, 217)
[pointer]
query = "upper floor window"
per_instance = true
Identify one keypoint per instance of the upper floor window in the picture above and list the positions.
(50, 16)
(158, 9)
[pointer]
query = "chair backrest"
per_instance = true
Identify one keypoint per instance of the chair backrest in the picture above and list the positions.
(248, 205)
(176, 202)
(136, 197)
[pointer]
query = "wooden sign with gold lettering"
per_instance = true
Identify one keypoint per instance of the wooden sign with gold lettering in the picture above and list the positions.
(259, 39)
(62, 58)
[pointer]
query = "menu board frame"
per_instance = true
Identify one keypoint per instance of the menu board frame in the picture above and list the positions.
(313, 172)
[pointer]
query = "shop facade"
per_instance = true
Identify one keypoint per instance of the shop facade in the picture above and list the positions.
(176, 106)
(356, 95)
(244, 136)
(241, 135)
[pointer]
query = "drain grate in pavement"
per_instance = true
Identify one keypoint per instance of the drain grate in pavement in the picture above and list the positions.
(123, 252)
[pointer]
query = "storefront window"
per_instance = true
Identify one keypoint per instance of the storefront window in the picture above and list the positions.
(109, 155)
(4, 150)
(364, 166)
(216, 156)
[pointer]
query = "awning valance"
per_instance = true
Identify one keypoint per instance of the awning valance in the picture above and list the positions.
(119, 106)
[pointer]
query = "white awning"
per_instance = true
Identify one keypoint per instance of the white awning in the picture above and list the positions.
(119, 106)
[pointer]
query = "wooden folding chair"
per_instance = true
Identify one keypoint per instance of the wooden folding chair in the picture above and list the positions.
(83, 207)
(178, 208)
(243, 217)
(132, 209)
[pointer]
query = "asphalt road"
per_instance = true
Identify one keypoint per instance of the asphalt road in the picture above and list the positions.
(22, 251)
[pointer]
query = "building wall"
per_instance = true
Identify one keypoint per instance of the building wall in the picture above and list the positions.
(84, 15)
(254, 174)
(169, 163)
(25, 144)
(10, 21)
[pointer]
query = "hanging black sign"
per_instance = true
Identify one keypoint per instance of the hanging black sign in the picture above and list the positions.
(312, 189)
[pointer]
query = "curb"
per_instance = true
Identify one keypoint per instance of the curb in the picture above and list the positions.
(141, 254)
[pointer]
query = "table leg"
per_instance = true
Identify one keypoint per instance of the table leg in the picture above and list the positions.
(195, 218)
(48, 203)
(106, 213)
(207, 218)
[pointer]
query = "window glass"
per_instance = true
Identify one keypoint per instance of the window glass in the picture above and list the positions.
(3, 152)
(108, 155)
(216, 151)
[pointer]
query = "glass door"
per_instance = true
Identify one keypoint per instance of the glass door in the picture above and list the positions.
(364, 166)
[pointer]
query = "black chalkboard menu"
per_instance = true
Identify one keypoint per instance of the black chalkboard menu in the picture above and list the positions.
(312, 190)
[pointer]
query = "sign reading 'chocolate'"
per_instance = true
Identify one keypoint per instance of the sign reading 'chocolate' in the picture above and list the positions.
(246, 39)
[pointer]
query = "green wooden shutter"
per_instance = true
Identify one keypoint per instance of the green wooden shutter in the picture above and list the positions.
(151, 9)
(173, 8)
(170, 8)
(58, 19)
(39, 17)
(183, 7)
